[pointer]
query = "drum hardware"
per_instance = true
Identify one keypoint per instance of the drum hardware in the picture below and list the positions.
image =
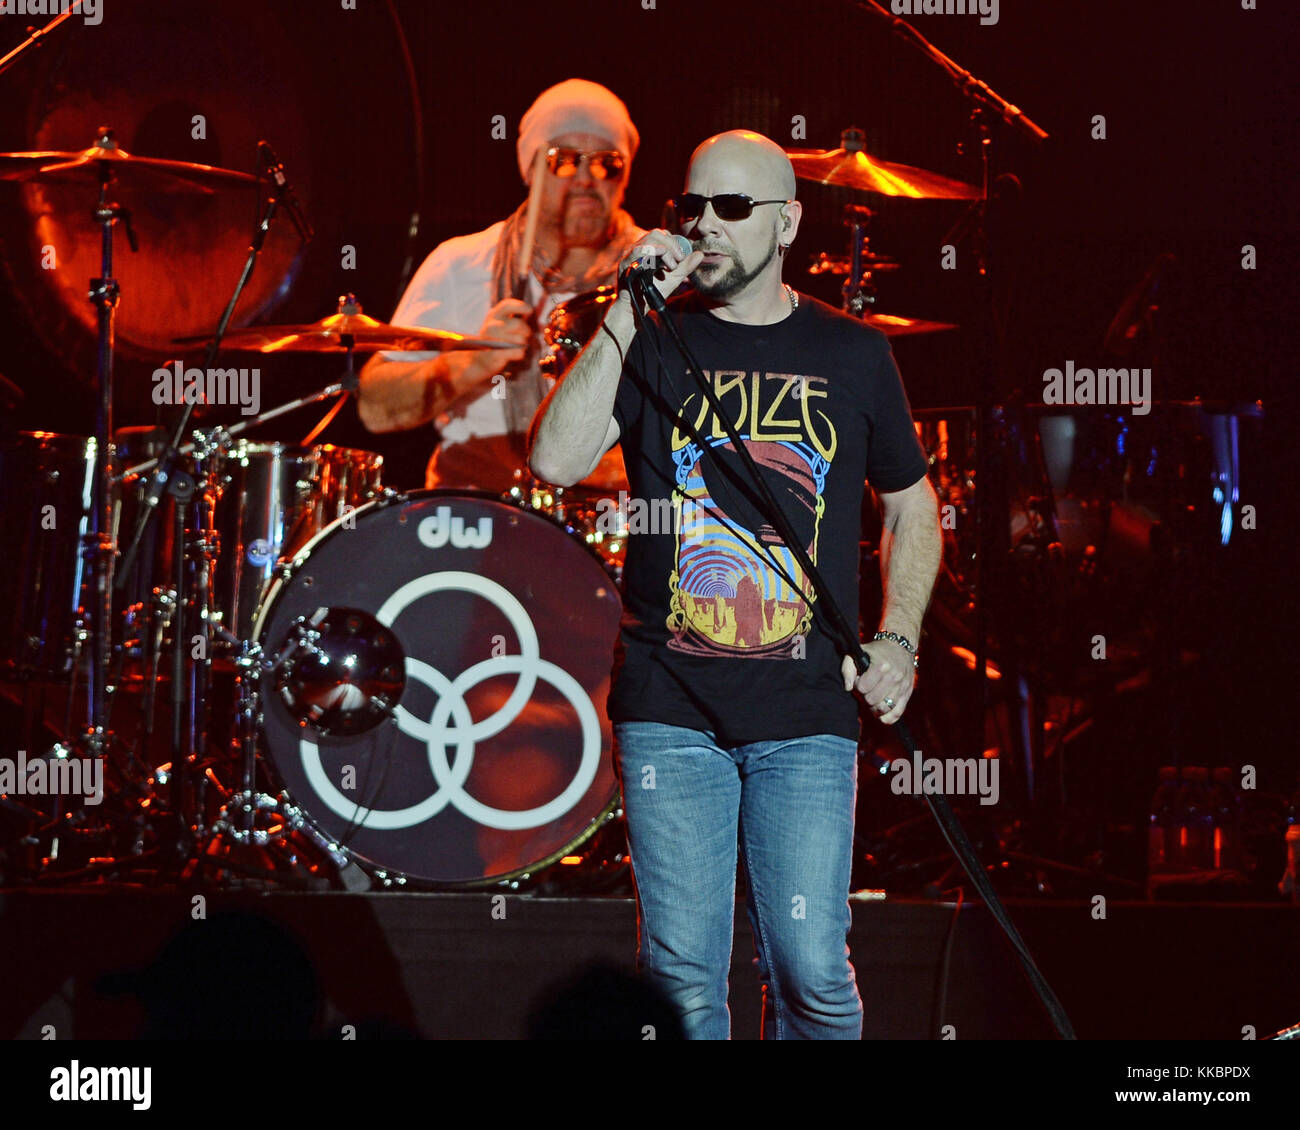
(221, 436)
(201, 542)
(859, 290)
(318, 479)
(828, 264)
(107, 166)
(250, 824)
(100, 546)
(201, 554)
(341, 672)
(590, 515)
(860, 264)
(250, 817)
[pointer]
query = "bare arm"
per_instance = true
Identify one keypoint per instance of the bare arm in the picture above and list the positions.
(575, 424)
(911, 546)
(396, 395)
(910, 549)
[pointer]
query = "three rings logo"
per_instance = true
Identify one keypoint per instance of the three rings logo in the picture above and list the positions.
(450, 725)
(440, 528)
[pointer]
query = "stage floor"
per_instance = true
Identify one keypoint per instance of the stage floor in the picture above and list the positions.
(113, 963)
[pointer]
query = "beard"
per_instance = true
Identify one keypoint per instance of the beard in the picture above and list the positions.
(736, 277)
(585, 226)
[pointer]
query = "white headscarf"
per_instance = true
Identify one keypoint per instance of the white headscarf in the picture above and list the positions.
(575, 106)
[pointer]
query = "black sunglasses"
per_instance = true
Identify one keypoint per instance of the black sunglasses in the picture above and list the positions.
(727, 206)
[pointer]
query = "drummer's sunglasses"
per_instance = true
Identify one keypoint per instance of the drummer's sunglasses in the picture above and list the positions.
(727, 206)
(605, 164)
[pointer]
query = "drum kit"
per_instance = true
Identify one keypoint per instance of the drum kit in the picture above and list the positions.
(387, 688)
(302, 616)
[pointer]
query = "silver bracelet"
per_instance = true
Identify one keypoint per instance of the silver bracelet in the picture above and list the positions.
(902, 642)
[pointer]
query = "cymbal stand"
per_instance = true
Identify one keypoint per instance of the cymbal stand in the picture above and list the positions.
(197, 547)
(100, 547)
(859, 287)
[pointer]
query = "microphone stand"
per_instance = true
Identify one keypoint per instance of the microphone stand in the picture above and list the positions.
(837, 626)
(36, 34)
(974, 89)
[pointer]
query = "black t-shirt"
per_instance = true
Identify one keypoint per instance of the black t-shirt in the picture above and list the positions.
(718, 631)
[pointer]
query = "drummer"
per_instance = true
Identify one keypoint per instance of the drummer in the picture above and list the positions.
(483, 401)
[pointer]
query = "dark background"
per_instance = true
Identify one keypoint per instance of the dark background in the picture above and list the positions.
(1199, 159)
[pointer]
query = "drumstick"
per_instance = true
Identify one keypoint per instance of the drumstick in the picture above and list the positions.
(530, 222)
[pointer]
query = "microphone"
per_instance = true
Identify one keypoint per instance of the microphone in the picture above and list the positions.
(284, 190)
(642, 270)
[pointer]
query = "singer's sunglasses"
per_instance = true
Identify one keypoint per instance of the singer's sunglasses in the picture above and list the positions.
(728, 206)
(605, 164)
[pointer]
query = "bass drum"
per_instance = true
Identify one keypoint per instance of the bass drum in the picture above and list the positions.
(496, 760)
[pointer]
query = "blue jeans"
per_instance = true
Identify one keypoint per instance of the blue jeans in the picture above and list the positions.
(790, 804)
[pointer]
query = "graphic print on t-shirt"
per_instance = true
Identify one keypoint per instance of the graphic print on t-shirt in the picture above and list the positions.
(736, 590)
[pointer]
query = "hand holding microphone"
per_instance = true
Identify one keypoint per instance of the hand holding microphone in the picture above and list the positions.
(660, 258)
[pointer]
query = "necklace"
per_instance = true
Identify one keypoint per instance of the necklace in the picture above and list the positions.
(793, 295)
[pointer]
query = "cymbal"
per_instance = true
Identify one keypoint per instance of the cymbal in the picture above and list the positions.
(338, 331)
(894, 326)
(852, 166)
(166, 178)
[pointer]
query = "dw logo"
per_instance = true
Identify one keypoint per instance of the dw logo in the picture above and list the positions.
(440, 527)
